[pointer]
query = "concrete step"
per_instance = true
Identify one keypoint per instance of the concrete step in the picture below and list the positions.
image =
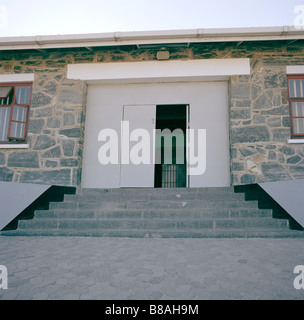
(207, 233)
(153, 224)
(141, 204)
(150, 213)
(154, 191)
(185, 196)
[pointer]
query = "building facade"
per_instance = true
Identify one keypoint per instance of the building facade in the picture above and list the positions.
(245, 89)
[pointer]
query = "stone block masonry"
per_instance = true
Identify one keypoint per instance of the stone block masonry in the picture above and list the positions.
(258, 108)
(259, 120)
(56, 126)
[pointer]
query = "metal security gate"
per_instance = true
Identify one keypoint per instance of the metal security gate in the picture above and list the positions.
(173, 176)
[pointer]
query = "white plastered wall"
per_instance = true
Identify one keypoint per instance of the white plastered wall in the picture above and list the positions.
(208, 110)
(203, 84)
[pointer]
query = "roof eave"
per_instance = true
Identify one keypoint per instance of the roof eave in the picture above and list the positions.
(151, 37)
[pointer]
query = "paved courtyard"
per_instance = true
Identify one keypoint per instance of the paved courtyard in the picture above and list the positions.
(151, 269)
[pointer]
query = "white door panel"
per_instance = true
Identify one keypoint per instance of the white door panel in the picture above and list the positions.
(137, 165)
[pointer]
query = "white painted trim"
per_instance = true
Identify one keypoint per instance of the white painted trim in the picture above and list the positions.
(159, 71)
(19, 77)
(14, 146)
(156, 37)
(294, 141)
(295, 69)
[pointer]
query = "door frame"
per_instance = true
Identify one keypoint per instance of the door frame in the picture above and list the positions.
(167, 117)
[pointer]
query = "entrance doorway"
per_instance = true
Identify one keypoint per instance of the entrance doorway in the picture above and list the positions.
(171, 169)
(108, 105)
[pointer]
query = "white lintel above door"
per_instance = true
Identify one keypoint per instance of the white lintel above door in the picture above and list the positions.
(159, 71)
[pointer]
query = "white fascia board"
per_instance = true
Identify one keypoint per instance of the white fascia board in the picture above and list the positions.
(155, 37)
(17, 77)
(158, 71)
(295, 69)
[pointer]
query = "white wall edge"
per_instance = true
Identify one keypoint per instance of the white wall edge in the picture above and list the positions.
(19, 77)
(295, 69)
(287, 195)
(14, 146)
(15, 197)
(159, 71)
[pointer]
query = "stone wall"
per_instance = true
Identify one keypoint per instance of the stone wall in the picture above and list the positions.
(56, 126)
(259, 120)
(258, 105)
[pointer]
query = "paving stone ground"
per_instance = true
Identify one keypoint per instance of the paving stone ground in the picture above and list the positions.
(80, 268)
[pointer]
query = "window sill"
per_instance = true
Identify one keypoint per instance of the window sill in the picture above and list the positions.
(295, 141)
(14, 146)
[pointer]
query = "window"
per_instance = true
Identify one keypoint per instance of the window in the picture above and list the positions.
(14, 111)
(296, 105)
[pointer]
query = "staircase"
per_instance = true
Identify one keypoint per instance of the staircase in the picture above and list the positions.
(156, 213)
